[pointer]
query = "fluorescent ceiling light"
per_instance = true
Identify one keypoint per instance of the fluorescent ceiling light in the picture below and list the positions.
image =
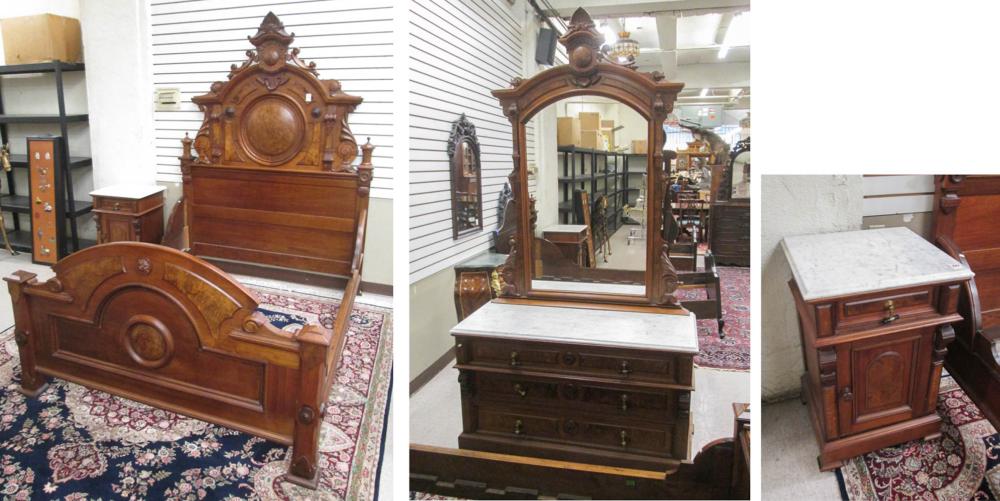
(704, 92)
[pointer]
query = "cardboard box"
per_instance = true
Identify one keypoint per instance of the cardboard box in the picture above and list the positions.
(640, 146)
(41, 38)
(591, 139)
(590, 121)
(567, 131)
(607, 124)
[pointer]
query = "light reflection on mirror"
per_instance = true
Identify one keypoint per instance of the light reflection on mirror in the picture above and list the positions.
(588, 158)
(741, 175)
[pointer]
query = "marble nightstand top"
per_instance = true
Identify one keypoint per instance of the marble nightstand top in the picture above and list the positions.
(607, 328)
(828, 265)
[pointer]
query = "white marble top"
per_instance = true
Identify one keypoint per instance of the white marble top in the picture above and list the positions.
(600, 288)
(133, 191)
(614, 329)
(837, 264)
(566, 228)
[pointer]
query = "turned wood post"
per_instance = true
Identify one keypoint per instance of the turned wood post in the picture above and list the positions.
(32, 383)
(304, 466)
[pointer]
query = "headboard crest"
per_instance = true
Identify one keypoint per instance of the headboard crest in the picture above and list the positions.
(275, 112)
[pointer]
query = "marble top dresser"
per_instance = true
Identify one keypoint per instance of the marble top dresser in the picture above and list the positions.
(577, 384)
(875, 312)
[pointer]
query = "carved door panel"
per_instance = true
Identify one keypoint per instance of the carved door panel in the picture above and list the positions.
(117, 229)
(883, 381)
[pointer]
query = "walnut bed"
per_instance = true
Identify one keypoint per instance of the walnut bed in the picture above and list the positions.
(272, 184)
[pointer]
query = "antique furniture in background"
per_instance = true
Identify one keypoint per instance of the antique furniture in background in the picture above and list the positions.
(966, 209)
(476, 282)
(466, 179)
(274, 184)
(571, 239)
(875, 309)
(129, 213)
(19, 204)
(729, 219)
(541, 372)
(48, 200)
(719, 471)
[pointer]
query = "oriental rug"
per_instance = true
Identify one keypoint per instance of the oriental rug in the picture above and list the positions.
(964, 463)
(733, 351)
(76, 443)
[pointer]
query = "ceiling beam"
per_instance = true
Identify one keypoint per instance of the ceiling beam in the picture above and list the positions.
(666, 31)
(617, 8)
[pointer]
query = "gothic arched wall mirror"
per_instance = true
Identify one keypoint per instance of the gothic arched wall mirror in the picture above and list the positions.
(592, 133)
(466, 179)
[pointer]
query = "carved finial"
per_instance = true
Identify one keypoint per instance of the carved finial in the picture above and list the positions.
(366, 152)
(272, 42)
(583, 47)
(186, 142)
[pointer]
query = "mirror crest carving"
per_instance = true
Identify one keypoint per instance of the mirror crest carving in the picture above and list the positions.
(590, 73)
(274, 111)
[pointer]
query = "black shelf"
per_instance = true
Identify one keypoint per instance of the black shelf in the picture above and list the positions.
(17, 160)
(18, 204)
(49, 67)
(22, 205)
(20, 240)
(47, 118)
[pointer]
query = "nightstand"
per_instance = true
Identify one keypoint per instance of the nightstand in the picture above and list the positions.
(127, 213)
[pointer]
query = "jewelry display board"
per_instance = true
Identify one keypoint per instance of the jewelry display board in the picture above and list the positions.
(47, 201)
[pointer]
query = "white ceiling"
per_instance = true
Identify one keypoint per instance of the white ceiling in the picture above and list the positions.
(701, 26)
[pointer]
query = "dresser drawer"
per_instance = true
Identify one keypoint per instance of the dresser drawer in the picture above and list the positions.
(579, 397)
(606, 363)
(873, 310)
(589, 431)
(117, 204)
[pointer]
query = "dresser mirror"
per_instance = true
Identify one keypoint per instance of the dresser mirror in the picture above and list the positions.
(619, 115)
(587, 184)
(466, 179)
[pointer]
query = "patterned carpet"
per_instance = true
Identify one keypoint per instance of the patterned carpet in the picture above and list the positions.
(732, 352)
(963, 464)
(75, 443)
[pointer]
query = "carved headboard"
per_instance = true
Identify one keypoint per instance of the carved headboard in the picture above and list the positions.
(273, 181)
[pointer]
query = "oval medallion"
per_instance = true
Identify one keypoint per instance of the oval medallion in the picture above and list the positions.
(273, 130)
(148, 342)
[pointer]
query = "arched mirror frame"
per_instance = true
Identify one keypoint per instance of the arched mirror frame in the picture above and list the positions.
(730, 178)
(463, 134)
(589, 73)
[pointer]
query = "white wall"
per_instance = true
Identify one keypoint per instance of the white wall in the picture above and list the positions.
(795, 205)
(195, 42)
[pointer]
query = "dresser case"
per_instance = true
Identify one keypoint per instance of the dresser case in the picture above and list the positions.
(129, 214)
(875, 309)
(577, 384)
(729, 232)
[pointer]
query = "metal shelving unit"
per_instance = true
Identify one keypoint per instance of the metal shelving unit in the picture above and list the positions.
(597, 172)
(18, 204)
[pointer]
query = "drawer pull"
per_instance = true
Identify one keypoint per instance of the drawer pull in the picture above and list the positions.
(118, 206)
(520, 390)
(514, 361)
(625, 368)
(624, 436)
(890, 308)
(518, 427)
(846, 395)
(624, 406)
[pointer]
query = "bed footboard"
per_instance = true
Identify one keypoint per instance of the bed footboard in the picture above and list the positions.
(161, 327)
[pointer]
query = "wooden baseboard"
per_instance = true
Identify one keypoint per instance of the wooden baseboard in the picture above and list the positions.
(296, 276)
(427, 374)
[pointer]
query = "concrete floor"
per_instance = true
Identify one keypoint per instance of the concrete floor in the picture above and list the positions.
(788, 456)
(10, 264)
(436, 409)
(624, 256)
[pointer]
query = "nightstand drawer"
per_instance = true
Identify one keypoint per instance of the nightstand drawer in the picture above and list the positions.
(889, 307)
(117, 204)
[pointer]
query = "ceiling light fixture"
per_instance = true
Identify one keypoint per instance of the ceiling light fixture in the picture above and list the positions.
(625, 49)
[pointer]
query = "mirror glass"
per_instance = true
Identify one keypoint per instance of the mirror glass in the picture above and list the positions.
(587, 173)
(741, 175)
(466, 184)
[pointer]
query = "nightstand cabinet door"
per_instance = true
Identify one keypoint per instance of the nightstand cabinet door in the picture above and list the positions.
(885, 380)
(116, 229)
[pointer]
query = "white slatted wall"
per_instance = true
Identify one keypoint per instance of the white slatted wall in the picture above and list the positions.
(195, 41)
(460, 50)
(887, 195)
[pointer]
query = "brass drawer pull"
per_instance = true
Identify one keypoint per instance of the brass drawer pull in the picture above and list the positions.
(118, 206)
(625, 368)
(514, 362)
(846, 394)
(624, 405)
(520, 390)
(624, 435)
(890, 308)
(518, 427)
